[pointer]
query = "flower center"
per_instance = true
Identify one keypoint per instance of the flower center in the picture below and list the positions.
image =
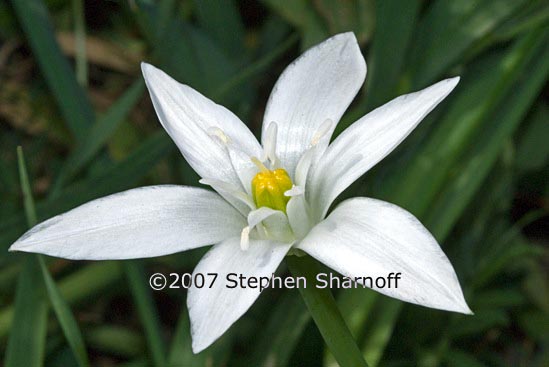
(269, 186)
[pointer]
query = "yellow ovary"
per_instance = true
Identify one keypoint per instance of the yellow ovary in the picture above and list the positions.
(268, 188)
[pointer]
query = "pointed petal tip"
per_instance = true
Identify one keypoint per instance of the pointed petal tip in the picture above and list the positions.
(197, 347)
(18, 246)
(448, 84)
(346, 36)
(461, 306)
(144, 67)
(465, 309)
(147, 69)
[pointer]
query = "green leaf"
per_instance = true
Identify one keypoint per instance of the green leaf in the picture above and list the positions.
(181, 353)
(216, 17)
(457, 358)
(277, 339)
(146, 310)
(489, 84)
(301, 14)
(449, 28)
(98, 135)
(26, 343)
(532, 150)
(386, 62)
(71, 98)
(479, 322)
(115, 340)
(325, 313)
(511, 112)
(429, 166)
(97, 277)
(65, 316)
(80, 41)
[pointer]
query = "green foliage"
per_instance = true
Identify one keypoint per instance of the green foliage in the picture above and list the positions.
(475, 172)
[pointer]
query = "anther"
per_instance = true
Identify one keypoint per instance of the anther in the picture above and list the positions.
(321, 131)
(259, 165)
(245, 238)
(216, 132)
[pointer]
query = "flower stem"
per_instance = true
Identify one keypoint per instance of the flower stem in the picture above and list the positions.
(325, 313)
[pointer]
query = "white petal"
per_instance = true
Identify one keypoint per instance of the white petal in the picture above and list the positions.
(190, 118)
(144, 222)
(244, 167)
(319, 85)
(368, 141)
(232, 194)
(213, 310)
(367, 237)
(298, 216)
(272, 224)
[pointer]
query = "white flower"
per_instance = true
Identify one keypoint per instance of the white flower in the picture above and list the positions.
(270, 197)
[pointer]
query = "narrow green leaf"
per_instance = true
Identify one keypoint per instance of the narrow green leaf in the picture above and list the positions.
(276, 341)
(98, 135)
(28, 200)
(97, 277)
(181, 353)
(324, 310)
(26, 343)
(146, 309)
(216, 17)
(449, 28)
(411, 198)
(255, 68)
(532, 152)
(80, 40)
(426, 174)
(65, 317)
(459, 190)
(116, 340)
(457, 358)
(301, 14)
(385, 62)
(71, 98)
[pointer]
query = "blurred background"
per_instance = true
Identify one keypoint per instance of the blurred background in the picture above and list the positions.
(475, 172)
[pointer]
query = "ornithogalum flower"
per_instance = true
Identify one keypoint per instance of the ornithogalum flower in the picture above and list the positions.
(270, 198)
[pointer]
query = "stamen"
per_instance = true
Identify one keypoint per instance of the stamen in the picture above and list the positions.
(269, 149)
(321, 131)
(259, 165)
(294, 191)
(245, 239)
(216, 132)
(219, 185)
(303, 166)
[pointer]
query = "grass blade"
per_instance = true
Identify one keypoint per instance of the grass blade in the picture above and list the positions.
(146, 310)
(449, 29)
(71, 98)
(65, 317)
(277, 339)
(98, 136)
(27, 341)
(385, 63)
(80, 38)
(324, 310)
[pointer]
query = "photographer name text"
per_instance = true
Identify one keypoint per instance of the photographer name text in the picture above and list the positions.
(159, 281)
